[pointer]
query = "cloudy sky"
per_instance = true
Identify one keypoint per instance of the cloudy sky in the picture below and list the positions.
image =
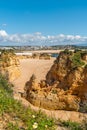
(43, 22)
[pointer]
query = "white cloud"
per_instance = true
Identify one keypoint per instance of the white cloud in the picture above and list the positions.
(62, 35)
(70, 37)
(39, 39)
(3, 33)
(38, 33)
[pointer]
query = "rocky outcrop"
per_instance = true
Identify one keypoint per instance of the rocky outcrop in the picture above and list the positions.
(60, 68)
(45, 56)
(9, 65)
(65, 87)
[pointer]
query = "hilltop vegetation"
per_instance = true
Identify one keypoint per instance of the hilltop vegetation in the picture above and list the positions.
(77, 58)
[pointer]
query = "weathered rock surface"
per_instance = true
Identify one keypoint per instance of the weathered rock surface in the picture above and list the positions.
(9, 65)
(65, 87)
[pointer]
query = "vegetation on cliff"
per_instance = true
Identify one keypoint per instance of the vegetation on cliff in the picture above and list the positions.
(77, 59)
(14, 116)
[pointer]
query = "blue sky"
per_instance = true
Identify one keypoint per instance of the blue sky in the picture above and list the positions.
(43, 22)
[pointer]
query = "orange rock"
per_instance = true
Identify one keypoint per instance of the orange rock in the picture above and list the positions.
(9, 65)
(65, 87)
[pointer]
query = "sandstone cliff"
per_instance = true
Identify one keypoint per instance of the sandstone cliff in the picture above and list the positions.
(65, 87)
(9, 65)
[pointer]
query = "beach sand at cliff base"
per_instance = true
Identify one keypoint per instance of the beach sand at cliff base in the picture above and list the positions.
(29, 67)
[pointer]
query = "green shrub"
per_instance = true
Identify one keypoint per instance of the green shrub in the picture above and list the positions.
(72, 125)
(66, 51)
(11, 126)
(5, 85)
(76, 60)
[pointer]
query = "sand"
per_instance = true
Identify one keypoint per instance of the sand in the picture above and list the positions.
(40, 68)
(29, 67)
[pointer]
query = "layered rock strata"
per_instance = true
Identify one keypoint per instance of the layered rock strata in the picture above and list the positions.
(65, 87)
(9, 65)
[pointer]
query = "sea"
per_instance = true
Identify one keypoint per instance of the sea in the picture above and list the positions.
(54, 55)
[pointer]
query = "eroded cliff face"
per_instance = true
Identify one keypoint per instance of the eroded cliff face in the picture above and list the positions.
(65, 87)
(60, 68)
(9, 65)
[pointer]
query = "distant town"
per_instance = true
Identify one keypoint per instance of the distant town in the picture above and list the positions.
(35, 48)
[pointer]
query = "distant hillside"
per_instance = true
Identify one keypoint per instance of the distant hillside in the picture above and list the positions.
(84, 44)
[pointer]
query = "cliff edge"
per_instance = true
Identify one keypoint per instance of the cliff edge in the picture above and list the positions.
(9, 65)
(65, 87)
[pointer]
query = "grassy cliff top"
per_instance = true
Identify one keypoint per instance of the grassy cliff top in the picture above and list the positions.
(78, 57)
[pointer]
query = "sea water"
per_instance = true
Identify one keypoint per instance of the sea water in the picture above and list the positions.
(54, 55)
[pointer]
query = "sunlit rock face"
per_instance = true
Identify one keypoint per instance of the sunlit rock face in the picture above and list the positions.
(9, 65)
(65, 87)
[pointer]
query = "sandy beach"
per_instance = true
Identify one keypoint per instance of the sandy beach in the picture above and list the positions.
(44, 51)
(29, 67)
